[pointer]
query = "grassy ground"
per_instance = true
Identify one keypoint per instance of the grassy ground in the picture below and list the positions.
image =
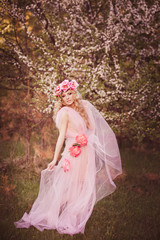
(132, 212)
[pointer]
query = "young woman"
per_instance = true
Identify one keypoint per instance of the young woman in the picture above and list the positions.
(84, 175)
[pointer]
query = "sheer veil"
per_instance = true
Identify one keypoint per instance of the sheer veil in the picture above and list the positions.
(107, 156)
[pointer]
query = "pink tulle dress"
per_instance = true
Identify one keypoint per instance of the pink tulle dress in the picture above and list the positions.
(67, 196)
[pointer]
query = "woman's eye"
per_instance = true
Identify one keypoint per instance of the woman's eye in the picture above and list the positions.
(63, 96)
(70, 93)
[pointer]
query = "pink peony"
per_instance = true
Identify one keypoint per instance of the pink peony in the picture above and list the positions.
(75, 151)
(66, 165)
(57, 90)
(82, 140)
(73, 85)
(65, 85)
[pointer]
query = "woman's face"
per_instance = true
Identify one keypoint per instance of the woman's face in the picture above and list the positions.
(68, 97)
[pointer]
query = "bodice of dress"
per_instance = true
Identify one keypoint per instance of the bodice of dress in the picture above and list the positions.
(101, 138)
(76, 124)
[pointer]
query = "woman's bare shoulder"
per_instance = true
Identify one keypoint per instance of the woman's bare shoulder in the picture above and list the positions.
(63, 112)
(63, 109)
(62, 115)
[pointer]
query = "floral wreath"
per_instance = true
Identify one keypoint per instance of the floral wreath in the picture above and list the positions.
(65, 86)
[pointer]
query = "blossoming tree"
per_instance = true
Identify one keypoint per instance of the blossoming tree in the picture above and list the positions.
(110, 47)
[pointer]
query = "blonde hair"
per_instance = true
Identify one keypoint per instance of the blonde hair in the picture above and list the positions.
(78, 106)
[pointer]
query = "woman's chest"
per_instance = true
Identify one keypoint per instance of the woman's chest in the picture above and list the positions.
(76, 123)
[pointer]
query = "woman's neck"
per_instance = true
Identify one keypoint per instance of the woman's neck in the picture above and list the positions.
(71, 106)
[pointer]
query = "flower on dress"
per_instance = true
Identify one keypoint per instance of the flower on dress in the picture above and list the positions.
(73, 85)
(75, 150)
(82, 139)
(65, 85)
(66, 165)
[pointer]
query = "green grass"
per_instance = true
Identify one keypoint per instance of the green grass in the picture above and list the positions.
(132, 212)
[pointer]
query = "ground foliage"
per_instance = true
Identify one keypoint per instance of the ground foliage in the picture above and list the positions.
(130, 213)
(110, 47)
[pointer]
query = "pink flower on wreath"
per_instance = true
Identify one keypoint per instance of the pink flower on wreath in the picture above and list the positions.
(66, 165)
(65, 85)
(82, 140)
(73, 85)
(75, 150)
(57, 90)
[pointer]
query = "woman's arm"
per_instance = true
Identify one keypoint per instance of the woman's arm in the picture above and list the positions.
(60, 140)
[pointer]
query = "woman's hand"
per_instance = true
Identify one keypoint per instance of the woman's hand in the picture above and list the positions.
(51, 165)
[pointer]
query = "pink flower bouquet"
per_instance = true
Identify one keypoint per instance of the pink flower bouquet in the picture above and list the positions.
(82, 139)
(66, 165)
(73, 85)
(65, 85)
(57, 90)
(75, 150)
